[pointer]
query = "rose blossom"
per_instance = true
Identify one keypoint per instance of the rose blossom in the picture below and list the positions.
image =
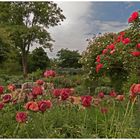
(120, 98)
(11, 87)
(113, 94)
(49, 73)
(136, 53)
(126, 41)
(1, 89)
(86, 100)
(7, 98)
(33, 106)
(37, 90)
(101, 95)
(40, 82)
(98, 67)
(45, 104)
(133, 17)
(21, 117)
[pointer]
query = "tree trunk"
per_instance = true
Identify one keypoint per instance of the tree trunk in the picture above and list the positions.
(24, 64)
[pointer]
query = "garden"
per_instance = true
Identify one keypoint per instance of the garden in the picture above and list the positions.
(98, 97)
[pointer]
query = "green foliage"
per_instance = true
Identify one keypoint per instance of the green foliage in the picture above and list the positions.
(27, 23)
(38, 59)
(132, 78)
(105, 90)
(65, 81)
(36, 75)
(70, 121)
(68, 58)
(69, 71)
(95, 47)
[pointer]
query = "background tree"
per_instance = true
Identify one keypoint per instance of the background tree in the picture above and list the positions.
(5, 42)
(68, 58)
(38, 59)
(28, 23)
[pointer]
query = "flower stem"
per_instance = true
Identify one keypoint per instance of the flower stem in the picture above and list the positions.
(85, 117)
(16, 130)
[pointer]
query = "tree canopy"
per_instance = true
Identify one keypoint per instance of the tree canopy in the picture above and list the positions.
(38, 59)
(28, 23)
(68, 58)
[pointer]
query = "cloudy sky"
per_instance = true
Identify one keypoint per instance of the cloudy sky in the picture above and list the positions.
(84, 19)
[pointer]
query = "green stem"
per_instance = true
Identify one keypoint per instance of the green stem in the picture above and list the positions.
(125, 119)
(85, 117)
(117, 126)
(44, 121)
(96, 122)
(16, 130)
(106, 125)
(112, 119)
(129, 117)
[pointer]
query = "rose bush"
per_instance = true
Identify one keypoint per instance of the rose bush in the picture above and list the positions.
(117, 57)
(59, 113)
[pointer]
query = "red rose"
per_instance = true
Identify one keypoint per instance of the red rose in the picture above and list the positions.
(111, 47)
(21, 117)
(49, 73)
(113, 94)
(133, 17)
(68, 90)
(64, 94)
(104, 51)
(126, 41)
(1, 89)
(14, 101)
(33, 106)
(136, 53)
(11, 87)
(7, 98)
(120, 97)
(104, 110)
(37, 90)
(56, 92)
(130, 19)
(43, 105)
(138, 45)
(119, 38)
(122, 33)
(98, 58)
(1, 106)
(86, 101)
(101, 95)
(40, 82)
(98, 67)
(135, 89)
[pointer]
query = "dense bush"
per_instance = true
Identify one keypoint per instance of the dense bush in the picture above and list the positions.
(114, 55)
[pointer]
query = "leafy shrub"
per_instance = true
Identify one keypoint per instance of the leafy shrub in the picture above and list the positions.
(105, 90)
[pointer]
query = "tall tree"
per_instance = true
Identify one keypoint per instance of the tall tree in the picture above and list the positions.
(38, 59)
(68, 58)
(28, 23)
(5, 44)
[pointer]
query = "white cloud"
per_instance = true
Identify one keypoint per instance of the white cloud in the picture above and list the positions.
(70, 34)
(74, 31)
(109, 26)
